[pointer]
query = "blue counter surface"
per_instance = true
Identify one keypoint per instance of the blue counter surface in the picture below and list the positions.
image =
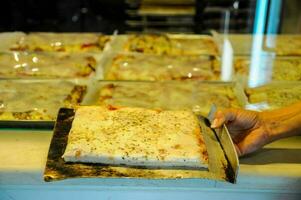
(272, 173)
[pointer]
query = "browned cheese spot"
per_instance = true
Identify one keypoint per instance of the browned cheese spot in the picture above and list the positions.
(177, 146)
(77, 153)
(162, 151)
(110, 107)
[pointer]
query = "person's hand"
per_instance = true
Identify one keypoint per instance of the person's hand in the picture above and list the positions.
(247, 128)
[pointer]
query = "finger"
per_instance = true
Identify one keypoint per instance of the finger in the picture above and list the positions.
(222, 117)
(238, 135)
(252, 142)
(219, 119)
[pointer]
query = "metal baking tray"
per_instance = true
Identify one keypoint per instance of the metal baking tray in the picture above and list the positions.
(219, 168)
(37, 124)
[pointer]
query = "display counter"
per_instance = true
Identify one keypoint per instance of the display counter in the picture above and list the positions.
(272, 173)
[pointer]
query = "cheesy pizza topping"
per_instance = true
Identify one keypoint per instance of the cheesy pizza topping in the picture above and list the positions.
(156, 67)
(284, 44)
(280, 69)
(271, 97)
(62, 42)
(50, 65)
(168, 45)
(190, 95)
(37, 100)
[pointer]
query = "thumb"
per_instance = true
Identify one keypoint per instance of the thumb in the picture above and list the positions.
(222, 117)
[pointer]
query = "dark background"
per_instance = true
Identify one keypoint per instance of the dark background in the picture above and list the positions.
(109, 15)
(62, 15)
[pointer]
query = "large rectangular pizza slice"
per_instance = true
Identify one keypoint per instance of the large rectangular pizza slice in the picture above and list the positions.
(62, 42)
(168, 45)
(136, 137)
(279, 69)
(191, 95)
(283, 45)
(273, 96)
(50, 65)
(38, 100)
(158, 67)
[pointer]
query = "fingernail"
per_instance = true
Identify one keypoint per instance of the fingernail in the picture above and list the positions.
(214, 123)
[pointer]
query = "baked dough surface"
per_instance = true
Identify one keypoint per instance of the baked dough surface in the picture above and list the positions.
(136, 137)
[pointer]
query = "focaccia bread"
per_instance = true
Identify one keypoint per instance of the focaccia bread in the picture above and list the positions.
(279, 69)
(136, 137)
(37, 100)
(167, 45)
(158, 67)
(49, 65)
(62, 42)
